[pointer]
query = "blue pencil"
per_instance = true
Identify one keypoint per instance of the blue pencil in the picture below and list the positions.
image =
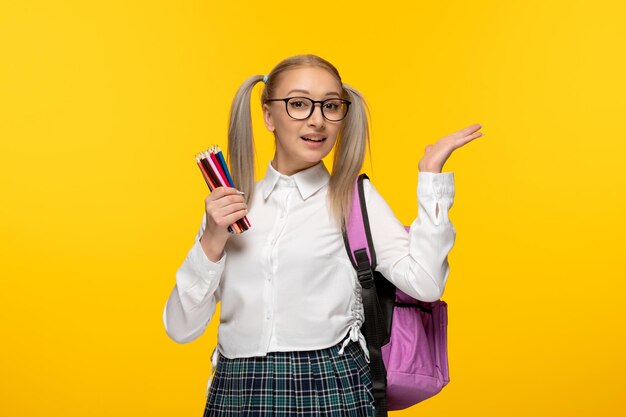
(224, 167)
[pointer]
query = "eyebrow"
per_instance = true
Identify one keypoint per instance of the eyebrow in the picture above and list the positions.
(307, 92)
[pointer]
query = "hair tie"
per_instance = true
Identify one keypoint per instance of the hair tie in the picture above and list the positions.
(265, 79)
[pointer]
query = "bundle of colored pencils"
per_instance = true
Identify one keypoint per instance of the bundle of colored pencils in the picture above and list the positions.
(216, 174)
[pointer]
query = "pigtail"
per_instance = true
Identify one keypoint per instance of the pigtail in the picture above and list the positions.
(349, 154)
(241, 139)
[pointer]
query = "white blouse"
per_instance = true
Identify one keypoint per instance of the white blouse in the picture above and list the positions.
(287, 284)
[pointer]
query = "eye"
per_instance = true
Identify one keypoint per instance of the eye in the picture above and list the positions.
(299, 103)
(333, 105)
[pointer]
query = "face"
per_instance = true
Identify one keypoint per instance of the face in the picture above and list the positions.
(293, 153)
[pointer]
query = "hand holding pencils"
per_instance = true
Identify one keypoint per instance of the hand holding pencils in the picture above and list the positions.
(216, 174)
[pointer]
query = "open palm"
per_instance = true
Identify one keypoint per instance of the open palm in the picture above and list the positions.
(436, 155)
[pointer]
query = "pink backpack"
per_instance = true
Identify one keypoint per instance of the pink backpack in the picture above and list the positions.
(406, 338)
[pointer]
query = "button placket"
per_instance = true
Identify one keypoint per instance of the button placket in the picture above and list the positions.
(282, 197)
(268, 291)
(283, 201)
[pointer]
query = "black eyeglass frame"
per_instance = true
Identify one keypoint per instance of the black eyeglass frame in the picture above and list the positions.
(286, 100)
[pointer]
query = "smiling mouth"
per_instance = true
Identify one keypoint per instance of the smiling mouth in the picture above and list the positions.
(312, 140)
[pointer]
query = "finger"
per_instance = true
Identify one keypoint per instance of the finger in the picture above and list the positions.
(470, 129)
(224, 217)
(464, 140)
(232, 218)
(222, 191)
(225, 201)
(230, 199)
(231, 208)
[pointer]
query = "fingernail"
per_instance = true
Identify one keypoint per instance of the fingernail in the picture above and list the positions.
(240, 192)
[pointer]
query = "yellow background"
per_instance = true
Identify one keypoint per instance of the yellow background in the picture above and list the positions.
(103, 106)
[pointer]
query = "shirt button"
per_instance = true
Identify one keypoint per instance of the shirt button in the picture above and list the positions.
(282, 214)
(268, 316)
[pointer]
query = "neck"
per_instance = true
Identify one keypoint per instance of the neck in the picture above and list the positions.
(288, 171)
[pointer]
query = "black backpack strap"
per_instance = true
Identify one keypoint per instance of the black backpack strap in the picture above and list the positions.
(375, 326)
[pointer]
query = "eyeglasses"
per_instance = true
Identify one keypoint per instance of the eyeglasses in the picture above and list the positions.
(301, 108)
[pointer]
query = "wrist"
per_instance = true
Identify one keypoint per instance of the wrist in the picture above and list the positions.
(433, 170)
(213, 248)
(429, 167)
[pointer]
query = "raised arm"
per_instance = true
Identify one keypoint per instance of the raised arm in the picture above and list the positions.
(416, 262)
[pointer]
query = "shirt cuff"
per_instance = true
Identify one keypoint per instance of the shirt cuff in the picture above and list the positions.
(435, 189)
(437, 184)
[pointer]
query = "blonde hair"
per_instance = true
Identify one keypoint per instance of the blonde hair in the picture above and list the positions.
(350, 147)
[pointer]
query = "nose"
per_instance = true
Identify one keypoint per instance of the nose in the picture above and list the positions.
(317, 118)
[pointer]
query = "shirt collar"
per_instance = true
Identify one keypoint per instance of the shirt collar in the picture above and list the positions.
(308, 181)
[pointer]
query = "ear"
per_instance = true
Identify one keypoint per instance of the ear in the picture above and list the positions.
(267, 118)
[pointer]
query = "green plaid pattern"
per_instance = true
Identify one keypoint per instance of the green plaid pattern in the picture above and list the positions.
(284, 384)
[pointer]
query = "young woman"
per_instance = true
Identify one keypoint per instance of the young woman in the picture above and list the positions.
(291, 311)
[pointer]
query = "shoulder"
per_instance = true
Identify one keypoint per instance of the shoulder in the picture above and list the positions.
(374, 200)
(370, 190)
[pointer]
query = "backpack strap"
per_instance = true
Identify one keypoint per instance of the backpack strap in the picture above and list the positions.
(358, 226)
(358, 242)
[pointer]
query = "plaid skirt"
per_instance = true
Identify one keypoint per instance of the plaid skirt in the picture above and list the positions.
(305, 383)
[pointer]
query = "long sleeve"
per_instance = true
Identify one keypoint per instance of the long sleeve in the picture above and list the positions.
(193, 299)
(416, 262)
